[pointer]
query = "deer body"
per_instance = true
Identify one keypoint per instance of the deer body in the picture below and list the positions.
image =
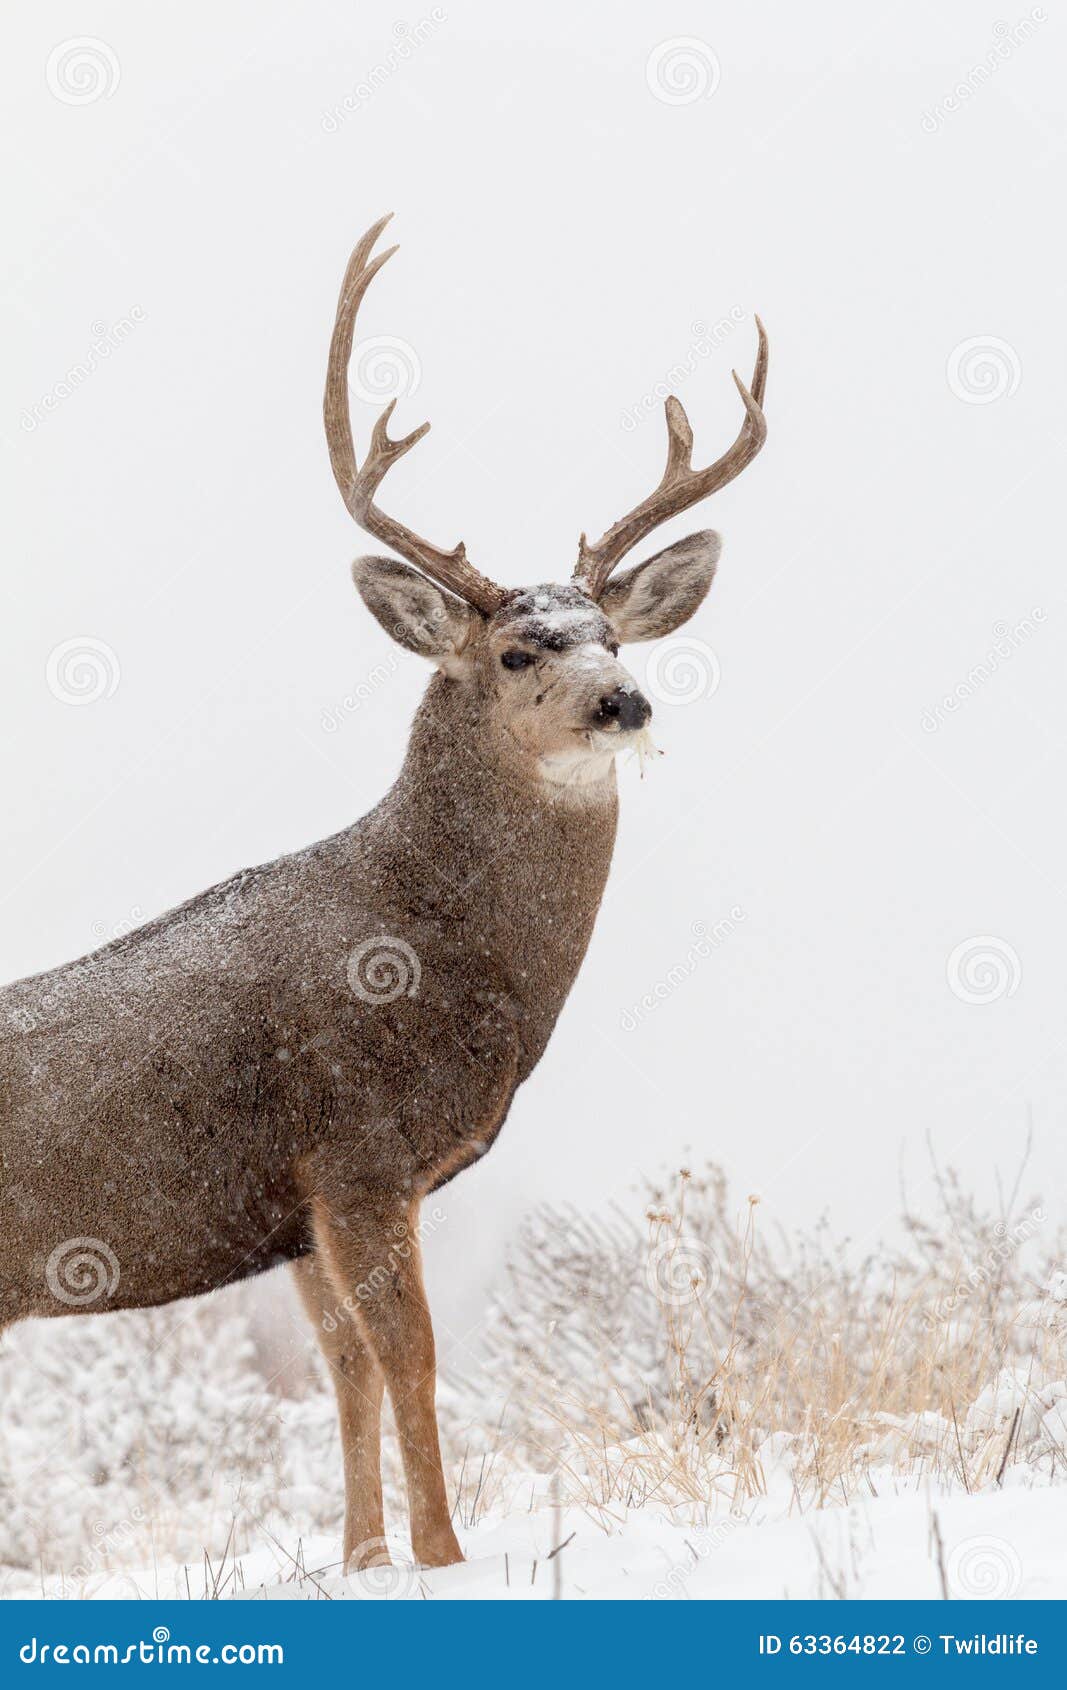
(222, 1053)
(280, 1069)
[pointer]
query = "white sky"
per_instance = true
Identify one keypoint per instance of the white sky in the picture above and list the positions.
(563, 230)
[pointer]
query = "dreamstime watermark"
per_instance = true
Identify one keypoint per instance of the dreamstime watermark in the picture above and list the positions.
(382, 969)
(681, 1270)
(379, 1570)
(1007, 639)
(81, 1271)
(44, 1000)
(104, 934)
(408, 38)
(1008, 1240)
(107, 337)
(983, 969)
(106, 1539)
(706, 941)
(983, 369)
(984, 1568)
(405, 1240)
(334, 715)
(27, 1019)
(82, 670)
(82, 70)
(700, 1544)
(384, 367)
(159, 1651)
(682, 670)
(706, 341)
(682, 69)
(1008, 38)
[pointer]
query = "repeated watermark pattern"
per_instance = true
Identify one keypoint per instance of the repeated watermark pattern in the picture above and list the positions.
(82, 1271)
(681, 1270)
(383, 367)
(104, 934)
(700, 1544)
(987, 1271)
(382, 1573)
(108, 1540)
(407, 39)
(26, 1020)
(382, 969)
(1007, 39)
(1008, 637)
(334, 716)
(82, 670)
(705, 942)
(983, 969)
(106, 338)
(82, 70)
(983, 369)
(984, 1568)
(405, 1240)
(682, 669)
(705, 341)
(681, 70)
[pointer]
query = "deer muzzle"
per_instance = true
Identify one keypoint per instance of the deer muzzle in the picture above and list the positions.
(624, 709)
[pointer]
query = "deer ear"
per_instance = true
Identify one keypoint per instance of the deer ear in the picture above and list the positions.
(413, 610)
(657, 596)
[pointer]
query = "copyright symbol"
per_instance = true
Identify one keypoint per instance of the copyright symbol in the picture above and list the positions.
(922, 1645)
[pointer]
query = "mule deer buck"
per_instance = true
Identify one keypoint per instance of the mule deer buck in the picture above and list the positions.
(280, 1069)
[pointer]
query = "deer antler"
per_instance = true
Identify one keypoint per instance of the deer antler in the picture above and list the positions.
(359, 483)
(681, 485)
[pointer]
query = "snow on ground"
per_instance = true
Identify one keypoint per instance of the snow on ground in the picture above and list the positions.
(624, 1437)
(880, 1547)
(913, 1539)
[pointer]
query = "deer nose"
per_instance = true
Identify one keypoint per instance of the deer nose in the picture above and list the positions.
(628, 709)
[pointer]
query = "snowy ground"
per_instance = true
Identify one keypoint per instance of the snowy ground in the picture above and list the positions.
(184, 1453)
(1004, 1543)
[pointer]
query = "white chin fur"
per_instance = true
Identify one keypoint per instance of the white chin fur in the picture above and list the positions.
(588, 763)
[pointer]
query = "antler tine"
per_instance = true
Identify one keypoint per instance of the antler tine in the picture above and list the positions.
(759, 374)
(681, 485)
(359, 483)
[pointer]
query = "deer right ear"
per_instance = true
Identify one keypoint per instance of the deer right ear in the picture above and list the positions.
(415, 612)
(657, 596)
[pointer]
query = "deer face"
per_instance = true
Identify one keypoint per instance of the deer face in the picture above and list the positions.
(546, 663)
(552, 660)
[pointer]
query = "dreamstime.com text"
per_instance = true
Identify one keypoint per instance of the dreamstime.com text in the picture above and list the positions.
(156, 1650)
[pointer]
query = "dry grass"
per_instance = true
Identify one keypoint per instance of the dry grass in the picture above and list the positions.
(679, 1366)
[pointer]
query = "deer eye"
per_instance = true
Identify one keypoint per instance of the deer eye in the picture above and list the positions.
(517, 659)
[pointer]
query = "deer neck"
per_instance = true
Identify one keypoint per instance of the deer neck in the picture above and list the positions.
(504, 862)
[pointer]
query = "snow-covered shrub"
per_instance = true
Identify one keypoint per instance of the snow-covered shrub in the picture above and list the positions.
(153, 1426)
(682, 1342)
(173, 1435)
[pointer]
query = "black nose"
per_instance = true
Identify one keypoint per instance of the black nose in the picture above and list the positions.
(629, 709)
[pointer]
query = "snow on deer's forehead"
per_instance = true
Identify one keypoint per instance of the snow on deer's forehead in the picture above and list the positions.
(555, 616)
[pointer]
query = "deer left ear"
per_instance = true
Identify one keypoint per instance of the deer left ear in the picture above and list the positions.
(417, 613)
(657, 596)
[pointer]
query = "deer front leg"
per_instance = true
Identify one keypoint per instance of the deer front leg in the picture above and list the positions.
(359, 1385)
(372, 1251)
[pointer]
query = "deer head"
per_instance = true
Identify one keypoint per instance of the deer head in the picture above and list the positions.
(544, 659)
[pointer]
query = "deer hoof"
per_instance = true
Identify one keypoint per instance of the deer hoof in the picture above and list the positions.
(373, 1553)
(441, 1552)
